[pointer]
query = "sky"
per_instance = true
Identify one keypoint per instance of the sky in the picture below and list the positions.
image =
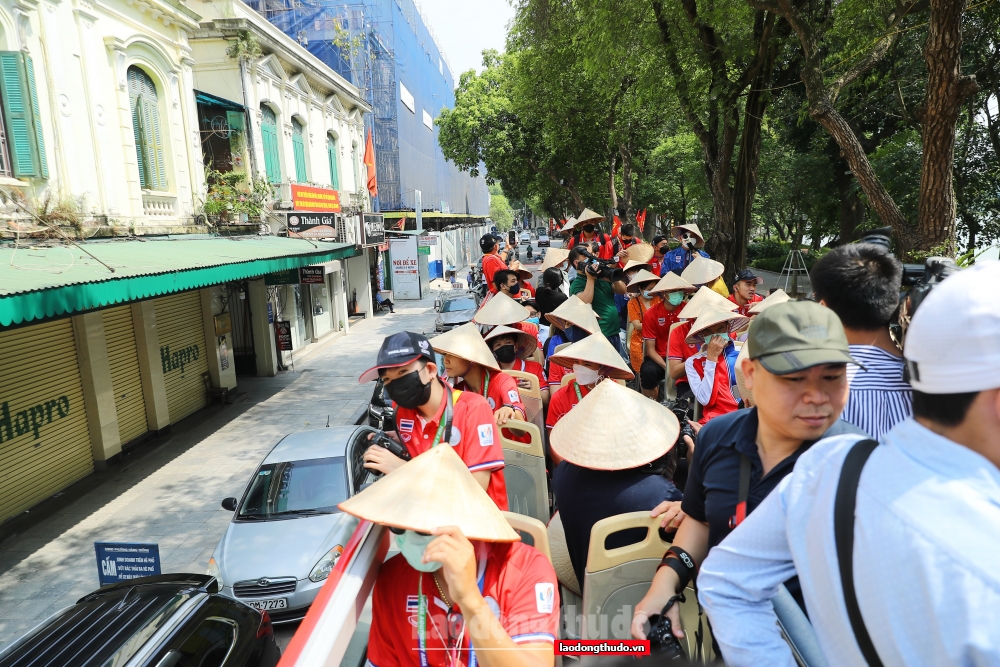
(464, 28)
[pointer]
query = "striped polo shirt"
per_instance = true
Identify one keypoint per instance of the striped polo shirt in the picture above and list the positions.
(879, 397)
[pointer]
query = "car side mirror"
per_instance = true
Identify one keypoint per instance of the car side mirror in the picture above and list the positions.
(229, 504)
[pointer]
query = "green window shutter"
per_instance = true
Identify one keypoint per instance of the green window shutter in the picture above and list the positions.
(299, 149)
(154, 142)
(18, 116)
(36, 116)
(269, 142)
(331, 154)
(146, 130)
(140, 142)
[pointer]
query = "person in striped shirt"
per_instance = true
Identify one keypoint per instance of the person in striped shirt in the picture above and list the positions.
(860, 282)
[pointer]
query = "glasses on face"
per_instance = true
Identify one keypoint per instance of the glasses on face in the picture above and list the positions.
(686, 236)
(400, 531)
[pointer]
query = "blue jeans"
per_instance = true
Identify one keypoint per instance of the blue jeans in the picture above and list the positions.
(616, 342)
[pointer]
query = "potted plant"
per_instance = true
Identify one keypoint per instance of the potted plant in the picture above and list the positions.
(231, 198)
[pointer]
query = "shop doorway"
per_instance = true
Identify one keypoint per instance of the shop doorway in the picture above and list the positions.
(238, 305)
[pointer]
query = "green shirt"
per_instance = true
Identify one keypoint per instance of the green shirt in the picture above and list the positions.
(603, 304)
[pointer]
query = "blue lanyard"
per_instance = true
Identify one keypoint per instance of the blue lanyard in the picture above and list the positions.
(422, 623)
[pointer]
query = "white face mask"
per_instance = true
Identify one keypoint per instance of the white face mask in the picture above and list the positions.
(585, 376)
(412, 546)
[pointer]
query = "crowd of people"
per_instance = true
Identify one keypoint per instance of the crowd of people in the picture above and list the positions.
(740, 423)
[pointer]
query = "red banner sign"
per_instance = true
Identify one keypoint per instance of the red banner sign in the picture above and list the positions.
(305, 198)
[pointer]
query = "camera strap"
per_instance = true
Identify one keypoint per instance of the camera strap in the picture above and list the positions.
(744, 492)
(444, 428)
(843, 533)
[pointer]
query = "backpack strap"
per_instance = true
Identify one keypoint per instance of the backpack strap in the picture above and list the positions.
(843, 532)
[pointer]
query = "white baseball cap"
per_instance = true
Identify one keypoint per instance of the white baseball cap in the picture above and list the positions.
(953, 343)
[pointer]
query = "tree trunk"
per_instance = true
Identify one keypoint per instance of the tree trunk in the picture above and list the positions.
(628, 215)
(723, 242)
(852, 209)
(612, 189)
(947, 89)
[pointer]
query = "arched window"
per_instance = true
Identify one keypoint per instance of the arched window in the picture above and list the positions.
(299, 149)
(269, 141)
(146, 128)
(331, 155)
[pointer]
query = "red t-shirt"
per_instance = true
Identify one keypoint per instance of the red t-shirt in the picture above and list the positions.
(607, 250)
(657, 263)
(519, 585)
(556, 373)
(722, 400)
(534, 368)
(473, 435)
(562, 402)
(745, 310)
(656, 325)
(678, 348)
(502, 390)
(491, 264)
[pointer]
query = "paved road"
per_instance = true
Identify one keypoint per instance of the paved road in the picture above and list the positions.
(169, 491)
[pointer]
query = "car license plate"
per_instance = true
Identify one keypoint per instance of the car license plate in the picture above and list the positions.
(268, 605)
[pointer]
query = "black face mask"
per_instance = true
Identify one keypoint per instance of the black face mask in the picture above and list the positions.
(575, 334)
(409, 391)
(514, 290)
(505, 353)
(589, 228)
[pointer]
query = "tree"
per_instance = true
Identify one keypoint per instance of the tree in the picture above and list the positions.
(500, 211)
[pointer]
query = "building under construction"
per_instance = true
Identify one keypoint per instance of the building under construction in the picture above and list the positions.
(387, 49)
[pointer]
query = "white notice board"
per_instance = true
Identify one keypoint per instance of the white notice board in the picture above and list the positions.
(405, 268)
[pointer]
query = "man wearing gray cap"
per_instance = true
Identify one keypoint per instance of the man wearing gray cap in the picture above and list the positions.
(895, 543)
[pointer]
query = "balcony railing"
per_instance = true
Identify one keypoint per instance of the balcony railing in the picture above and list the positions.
(159, 205)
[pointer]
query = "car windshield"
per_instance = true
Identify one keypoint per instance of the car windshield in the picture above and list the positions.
(313, 486)
(453, 305)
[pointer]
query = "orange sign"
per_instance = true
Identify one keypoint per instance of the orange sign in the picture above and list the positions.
(305, 198)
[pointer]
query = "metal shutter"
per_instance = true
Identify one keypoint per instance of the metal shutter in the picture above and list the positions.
(40, 387)
(182, 352)
(130, 408)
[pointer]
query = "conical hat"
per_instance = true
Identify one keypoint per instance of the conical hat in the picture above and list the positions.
(589, 216)
(640, 252)
(466, 343)
(572, 311)
(522, 272)
(632, 264)
(597, 350)
(670, 282)
(710, 318)
(640, 279)
(570, 224)
(741, 383)
(614, 428)
(434, 489)
(704, 299)
(553, 257)
(780, 296)
(702, 270)
(690, 227)
(501, 309)
(526, 343)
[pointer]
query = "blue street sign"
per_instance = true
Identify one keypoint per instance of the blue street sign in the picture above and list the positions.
(120, 561)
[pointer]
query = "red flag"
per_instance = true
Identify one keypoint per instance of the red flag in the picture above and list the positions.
(370, 163)
(616, 228)
(640, 219)
(401, 224)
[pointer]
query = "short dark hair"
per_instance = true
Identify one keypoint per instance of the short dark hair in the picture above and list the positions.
(500, 278)
(577, 253)
(552, 278)
(860, 282)
(944, 409)
(657, 240)
(628, 229)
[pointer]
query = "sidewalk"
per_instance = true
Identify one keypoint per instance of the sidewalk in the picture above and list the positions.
(169, 491)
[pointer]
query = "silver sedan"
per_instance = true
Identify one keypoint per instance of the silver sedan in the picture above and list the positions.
(287, 533)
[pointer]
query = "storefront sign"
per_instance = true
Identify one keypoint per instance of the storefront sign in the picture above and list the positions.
(427, 240)
(121, 561)
(286, 277)
(405, 268)
(312, 275)
(311, 225)
(223, 324)
(171, 361)
(373, 230)
(305, 198)
(283, 332)
(30, 419)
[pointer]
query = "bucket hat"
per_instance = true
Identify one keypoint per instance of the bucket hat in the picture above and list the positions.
(526, 343)
(702, 271)
(797, 335)
(616, 429)
(780, 296)
(689, 227)
(672, 282)
(466, 343)
(642, 278)
(500, 309)
(434, 489)
(710, 318)
(704, 299)
(554, 257)
(595, 349)
(574, 312)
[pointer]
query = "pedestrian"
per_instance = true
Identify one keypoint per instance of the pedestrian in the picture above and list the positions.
(678, 349)
(599, 292)
(691, 243)
(462, 589)
(711, 373)
(429, 413)
(574, 320)
(657, 323)
(512, 348)
(642, 301)
(906, 572)
(861, 282)
(797, 372)
(744, 292)
(492, 262)
(615, 448)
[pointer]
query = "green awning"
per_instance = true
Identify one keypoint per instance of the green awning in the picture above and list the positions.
(42, 282)
(215, 101)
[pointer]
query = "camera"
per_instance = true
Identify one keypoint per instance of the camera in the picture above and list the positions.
(396, 449)
(662, 641)
(682, 410)
(602, 269)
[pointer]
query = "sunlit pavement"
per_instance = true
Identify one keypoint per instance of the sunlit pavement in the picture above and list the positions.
(168, 491)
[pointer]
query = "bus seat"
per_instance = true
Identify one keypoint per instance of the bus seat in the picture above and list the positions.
(560, 347)
(566, 379)
(537, 356)
(524, 472)
(615, 580)
(531, 530)
(531, 398)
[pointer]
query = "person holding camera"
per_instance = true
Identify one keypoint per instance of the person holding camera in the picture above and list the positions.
(797, 370)
(895, 543)
(430, 413)
(603, 245)
(691, 243)
(611, 465)
(594, 286)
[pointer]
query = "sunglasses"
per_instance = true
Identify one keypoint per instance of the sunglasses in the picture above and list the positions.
(400, 531)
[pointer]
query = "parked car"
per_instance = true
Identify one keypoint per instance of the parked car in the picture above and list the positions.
(287, 533)
(455, 309)
(543, 240)
(158, 621)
